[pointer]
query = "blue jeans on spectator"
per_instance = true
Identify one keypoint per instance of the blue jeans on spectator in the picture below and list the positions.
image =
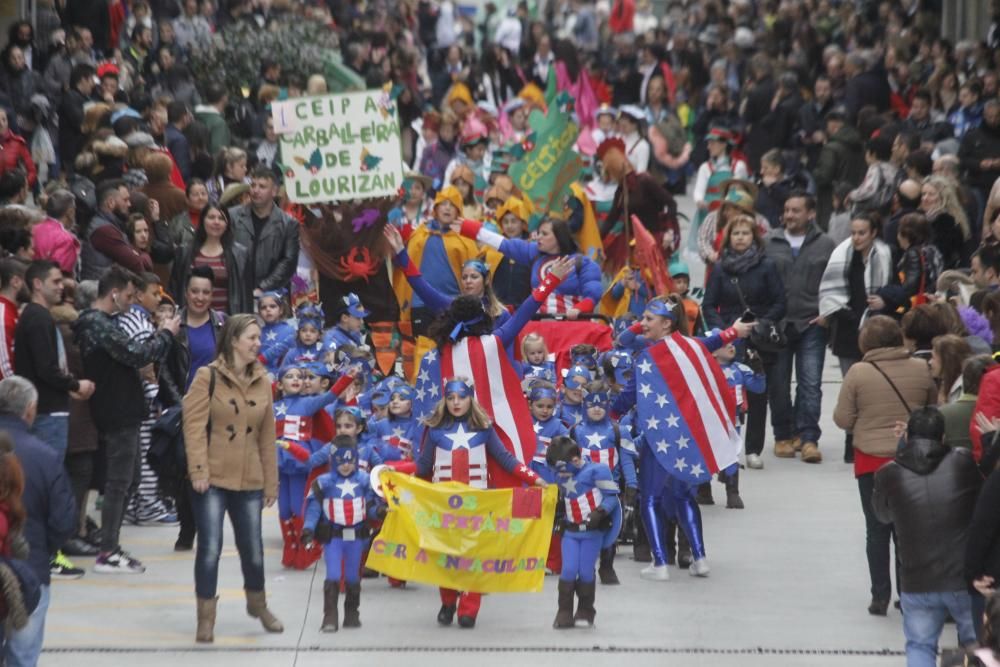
(24, 646)
(806, 351)
(924, 615)
(244, 509)
(53, 430)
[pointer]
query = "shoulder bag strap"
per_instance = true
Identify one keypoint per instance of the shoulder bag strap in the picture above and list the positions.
(211, 393)
(893, 385)
(735, 280)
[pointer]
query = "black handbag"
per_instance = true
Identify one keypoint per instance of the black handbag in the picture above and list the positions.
(767, 336)
(167, 456)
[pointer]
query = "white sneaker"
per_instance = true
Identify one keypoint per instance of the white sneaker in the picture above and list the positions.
(655, 573)
(699, 568)
(754, 461)
(118, 562)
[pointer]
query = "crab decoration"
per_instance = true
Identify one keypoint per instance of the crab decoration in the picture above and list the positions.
(357, 264)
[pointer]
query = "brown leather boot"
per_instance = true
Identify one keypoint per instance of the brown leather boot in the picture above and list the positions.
(257, 608)
(564, 617)
(352, 601)
(785, 449)
(331, 595)
(585, 611)
(206, 620)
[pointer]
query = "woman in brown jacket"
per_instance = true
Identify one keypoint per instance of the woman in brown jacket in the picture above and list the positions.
(229, 438)
(883, 388)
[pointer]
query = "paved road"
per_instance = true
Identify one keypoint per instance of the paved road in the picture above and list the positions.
(789, 587)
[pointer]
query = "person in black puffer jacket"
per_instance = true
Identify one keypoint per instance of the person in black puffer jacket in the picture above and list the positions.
(929, 493)
(982, 552)
(745, 279)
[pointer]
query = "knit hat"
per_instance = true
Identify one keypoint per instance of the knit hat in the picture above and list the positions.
(514, 206)
(449, 194)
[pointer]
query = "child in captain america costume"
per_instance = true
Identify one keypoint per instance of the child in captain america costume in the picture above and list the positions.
(345, 500)
(536, 362)
(349, 330)
(307, 344)
(603, 442)
(299, 419)
(591, 522)
(459, 440)
(400, 432)
(542, 399)
(571, 410)
(277, 335)
(673, 455)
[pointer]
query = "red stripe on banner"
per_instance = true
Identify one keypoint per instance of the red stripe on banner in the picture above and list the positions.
(675, 380)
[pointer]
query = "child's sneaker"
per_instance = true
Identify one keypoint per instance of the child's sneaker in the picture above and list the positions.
(118, 562)
(61, 567)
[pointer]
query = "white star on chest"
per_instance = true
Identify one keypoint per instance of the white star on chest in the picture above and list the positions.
(672, 421)
(347, 488)
(652, 423)
(537, 427)
(460, 439)
(645, 390)
(682, 442)
(309, 356)
(645, 366)
(397, 432)
(280, 410)
(594, 440)
(570, 486)
(661, 400)
(271, 335)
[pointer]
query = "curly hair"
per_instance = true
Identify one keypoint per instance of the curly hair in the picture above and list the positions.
(465, 309)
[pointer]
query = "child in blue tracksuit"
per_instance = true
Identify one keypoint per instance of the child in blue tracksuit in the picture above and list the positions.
(536, 362)
(590, 499)
(603, 442)
(307, 344)
(345, 500)
(398, 435)
(277, 335)
(542, 400)
(349, 330)
(741, 378)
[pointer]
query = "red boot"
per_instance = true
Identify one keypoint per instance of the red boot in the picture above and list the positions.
(291, 541)
(553, 562)
(468, 609)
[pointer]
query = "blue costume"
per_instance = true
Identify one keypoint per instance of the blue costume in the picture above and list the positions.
(742, 379)
(307, 314)
(294, 421)
(336, 336)
(346, 502)
(399, 437)
(637, 299)
(545, 431)
(544, 371)
(571, 414)
(275, 341)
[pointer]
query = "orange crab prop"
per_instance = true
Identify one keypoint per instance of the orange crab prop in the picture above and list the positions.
(357, 264)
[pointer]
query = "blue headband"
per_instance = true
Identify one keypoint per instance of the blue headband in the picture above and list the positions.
(661, 308)
(479, 266)
(538, 393)
(295, 365)
(581, 371)
(406, 392)
(278, 294)
(460, 387)
(463, 325)
(596, 399)
(359, 416)
(342, 455)
(585, 360)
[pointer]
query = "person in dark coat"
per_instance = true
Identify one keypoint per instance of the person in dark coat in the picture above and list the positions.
(867, 84)
(982, 551)
(928, 493)
(841, 160)
(48, 503)
(745, 279)
(71, 137)
(756, 107)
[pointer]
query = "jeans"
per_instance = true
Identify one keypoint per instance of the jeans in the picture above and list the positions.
(25, 645)
(121, 451)
(877, 536)
(807, 352)
(244, 509)
(924, 615)
(53, 430)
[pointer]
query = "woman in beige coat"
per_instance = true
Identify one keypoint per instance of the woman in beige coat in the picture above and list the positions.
(229, 438)
(883, 388)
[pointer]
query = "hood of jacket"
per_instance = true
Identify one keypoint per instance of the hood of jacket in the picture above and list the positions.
(921, 455)
(848, 135)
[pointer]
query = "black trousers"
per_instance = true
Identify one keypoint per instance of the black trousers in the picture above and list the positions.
(877, 538)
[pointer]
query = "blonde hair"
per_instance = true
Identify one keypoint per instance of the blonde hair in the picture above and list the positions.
(478, 419)
(530, 339)
(949, 202)
(232, 329)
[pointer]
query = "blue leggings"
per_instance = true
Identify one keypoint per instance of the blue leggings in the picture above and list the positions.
(344, 554)
(579, 555)
(662, 499)
(291, 494)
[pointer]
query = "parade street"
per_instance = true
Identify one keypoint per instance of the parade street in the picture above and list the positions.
(788, 587)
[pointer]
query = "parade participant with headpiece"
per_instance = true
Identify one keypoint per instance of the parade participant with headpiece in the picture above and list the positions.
(591, 524)
(459, 442)
(308, 344)
(277, 335)
(337, 508)
(474, 143)
(684, 415)
(713, 172)
(349, 314)
(637, 150)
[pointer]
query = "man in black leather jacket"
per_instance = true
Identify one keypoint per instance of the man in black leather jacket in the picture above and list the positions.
(929, 492)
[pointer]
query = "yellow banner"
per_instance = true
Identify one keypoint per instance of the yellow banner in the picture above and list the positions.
(452, 535)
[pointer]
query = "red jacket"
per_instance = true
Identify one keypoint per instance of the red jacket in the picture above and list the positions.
(988, 403)
(14, 153)
(8, 317)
